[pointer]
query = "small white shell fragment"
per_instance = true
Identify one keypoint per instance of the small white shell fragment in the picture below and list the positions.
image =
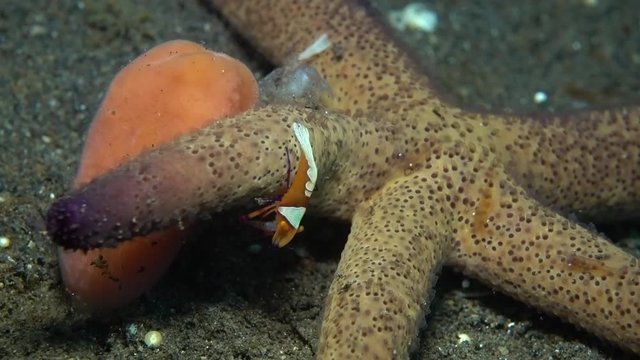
(320, 44)
(416, 17)
(462, 338)
(153, 339)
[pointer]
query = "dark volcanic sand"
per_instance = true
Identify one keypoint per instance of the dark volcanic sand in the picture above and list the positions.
(231, 295)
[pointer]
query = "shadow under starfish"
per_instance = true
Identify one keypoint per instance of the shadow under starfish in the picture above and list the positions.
(424, 184)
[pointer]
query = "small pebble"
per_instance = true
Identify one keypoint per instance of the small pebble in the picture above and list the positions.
(503, 350)
(539, 97)
(132, 330)
(153, 339)
(576, 45)
(4, 242)
(466, 283)
(254, 248)
(37, 30)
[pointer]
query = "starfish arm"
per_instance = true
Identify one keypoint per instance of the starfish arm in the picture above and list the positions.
(365, 70)
(511, 241)
(219, 166)
(381, 288)
(584, 162)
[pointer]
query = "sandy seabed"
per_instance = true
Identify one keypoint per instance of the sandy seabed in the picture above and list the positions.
(231, 295)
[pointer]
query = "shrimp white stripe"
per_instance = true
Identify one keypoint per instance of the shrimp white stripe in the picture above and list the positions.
(302, 135)
(293, 214)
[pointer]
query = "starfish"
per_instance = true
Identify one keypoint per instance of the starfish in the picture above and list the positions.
(424, 184)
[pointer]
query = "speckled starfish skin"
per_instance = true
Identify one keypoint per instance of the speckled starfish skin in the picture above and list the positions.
(425, 184)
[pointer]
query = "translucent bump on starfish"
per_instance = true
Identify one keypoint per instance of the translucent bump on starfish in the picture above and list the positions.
(295, 85)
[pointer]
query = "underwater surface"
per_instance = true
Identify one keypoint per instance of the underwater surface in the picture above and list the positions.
(230, 294)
